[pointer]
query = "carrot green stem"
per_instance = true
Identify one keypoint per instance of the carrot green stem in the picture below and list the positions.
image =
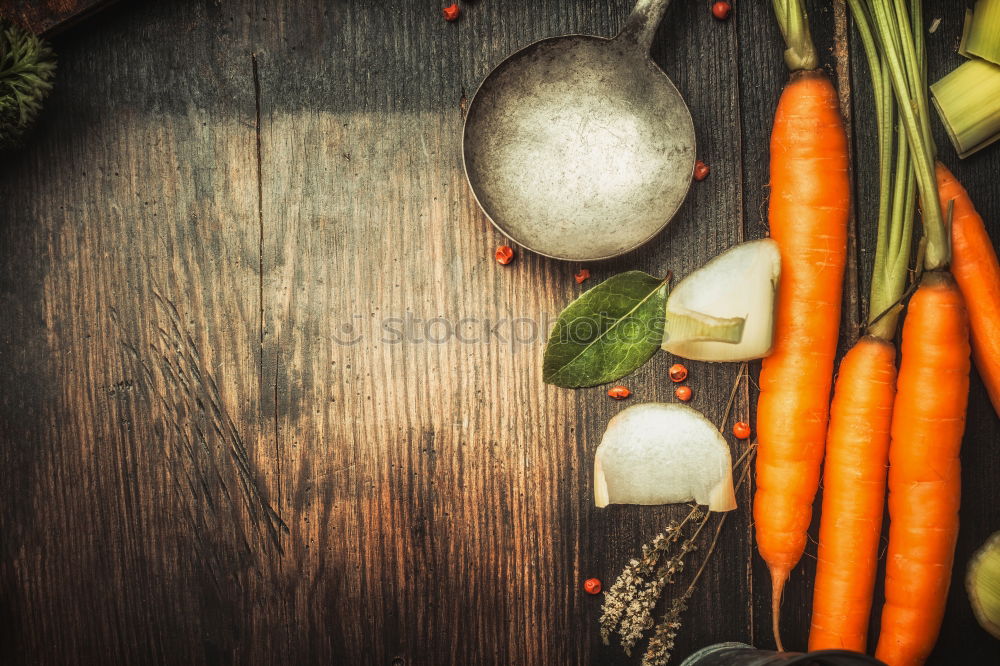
(896, 198)
(884, 110)
(901, 52)
(800, 53)
(916, 15)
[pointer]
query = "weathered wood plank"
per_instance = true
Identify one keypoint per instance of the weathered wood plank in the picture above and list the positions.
(221, 259)
(479, 474)
(132, 514)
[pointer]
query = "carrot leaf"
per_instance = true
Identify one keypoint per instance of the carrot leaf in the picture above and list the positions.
(897, 189)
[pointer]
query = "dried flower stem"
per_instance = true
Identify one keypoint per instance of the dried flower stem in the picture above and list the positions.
(732, 396)
(744, 474)
(629, 604)
(662, 642)
(636, 591)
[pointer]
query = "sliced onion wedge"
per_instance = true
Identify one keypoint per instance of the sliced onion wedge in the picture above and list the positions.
(732, 292)
(658, 453)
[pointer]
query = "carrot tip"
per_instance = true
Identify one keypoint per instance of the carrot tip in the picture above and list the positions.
(778, 579)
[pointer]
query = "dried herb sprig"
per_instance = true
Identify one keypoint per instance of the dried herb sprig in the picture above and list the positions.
(27, 68)
(639, 613)
(629, 604)
(661, 645)
(662, 642)
(630, 591)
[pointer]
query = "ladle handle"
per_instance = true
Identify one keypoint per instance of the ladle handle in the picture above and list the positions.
(641, 24)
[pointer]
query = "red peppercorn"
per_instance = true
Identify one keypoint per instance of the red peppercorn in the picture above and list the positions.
(741, 430)
(504, 254)
(619, 392)
(683, 393)
(701, 170)
(592, 586)
(452, 12)
(582, 276)
(678, 372)
(720, 10)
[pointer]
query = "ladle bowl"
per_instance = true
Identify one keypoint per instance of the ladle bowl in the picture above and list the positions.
(580, 147)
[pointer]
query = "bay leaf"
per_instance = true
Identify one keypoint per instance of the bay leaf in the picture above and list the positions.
(608, 332)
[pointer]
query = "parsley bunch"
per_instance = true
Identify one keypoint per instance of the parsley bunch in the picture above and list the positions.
(27, 67)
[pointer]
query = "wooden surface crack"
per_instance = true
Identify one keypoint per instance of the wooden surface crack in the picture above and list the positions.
(260, 272)
(260, 197)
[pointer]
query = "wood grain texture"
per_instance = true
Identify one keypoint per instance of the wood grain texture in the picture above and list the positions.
(478, 471)
(135, 517)
(266, 396)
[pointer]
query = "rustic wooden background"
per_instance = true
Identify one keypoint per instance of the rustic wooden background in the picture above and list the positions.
(212, 450)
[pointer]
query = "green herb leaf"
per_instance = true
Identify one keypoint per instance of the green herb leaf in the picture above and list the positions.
(608, 332)
(27, 67)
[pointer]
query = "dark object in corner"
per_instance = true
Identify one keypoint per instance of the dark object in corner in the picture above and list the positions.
(738, 654)
(51, 17)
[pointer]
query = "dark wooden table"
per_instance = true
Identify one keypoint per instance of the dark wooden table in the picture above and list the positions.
(231, 429)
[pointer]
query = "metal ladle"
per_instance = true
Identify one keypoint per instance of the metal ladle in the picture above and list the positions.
(580, 147)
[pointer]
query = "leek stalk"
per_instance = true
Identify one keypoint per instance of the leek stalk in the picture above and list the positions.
(968, 102)
(982, 39)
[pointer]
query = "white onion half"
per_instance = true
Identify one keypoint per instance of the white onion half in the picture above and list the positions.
(739, 283)
(658, 453)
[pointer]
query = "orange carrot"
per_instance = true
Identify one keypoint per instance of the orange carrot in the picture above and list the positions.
(857, 452)
(810, 197)
(924, 472)
(928, 414)
(857, 443)
(975, 267)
